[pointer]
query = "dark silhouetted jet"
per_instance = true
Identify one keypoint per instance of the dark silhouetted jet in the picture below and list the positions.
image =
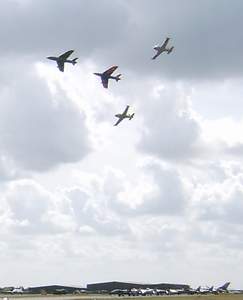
(162, 48)
(123, 116)
(63, 59)
(105, 76)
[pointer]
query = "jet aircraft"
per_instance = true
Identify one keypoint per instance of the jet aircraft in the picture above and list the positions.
(123, 116)
(162, 48)
(160, 292)
(212, 290)
(193, 291)
(105, 76)
(219, 290)
(63, 59)
(19, 290)
(223, 288)
(120, 292)
(206, 290)
(147, 292)
(175, 291)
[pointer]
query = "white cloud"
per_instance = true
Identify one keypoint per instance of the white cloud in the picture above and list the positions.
(162, 192)
(33, 210)
(40, 131)
(170, 130)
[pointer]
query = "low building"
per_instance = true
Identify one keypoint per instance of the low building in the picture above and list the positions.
(112, 285)
(54, 289)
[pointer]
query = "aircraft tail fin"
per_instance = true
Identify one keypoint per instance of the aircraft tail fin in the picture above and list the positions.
(118, 77)
(170, 50)
(74, 61)
(131, 116)
(224, 286)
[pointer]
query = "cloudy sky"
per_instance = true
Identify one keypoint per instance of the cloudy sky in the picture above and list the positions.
(157, 199)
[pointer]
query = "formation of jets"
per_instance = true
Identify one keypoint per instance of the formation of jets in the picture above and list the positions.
(106, 75)
(159, 292)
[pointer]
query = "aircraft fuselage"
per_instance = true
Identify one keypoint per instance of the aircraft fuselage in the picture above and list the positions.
(161, 49)
(105, 77)
(58, 59)
(124, 116)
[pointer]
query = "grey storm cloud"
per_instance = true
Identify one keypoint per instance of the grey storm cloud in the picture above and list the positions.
(38, 130)
(207, 44)
(39, 27)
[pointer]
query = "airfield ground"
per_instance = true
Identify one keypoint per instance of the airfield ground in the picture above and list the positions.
(109, 297)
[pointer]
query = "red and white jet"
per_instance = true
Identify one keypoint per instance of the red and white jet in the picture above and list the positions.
(105, 76)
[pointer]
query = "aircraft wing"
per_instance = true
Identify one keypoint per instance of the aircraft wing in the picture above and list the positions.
(156, 55)
(125, 111)
(166, 42)
(60, 65)
(65, 55)
(119, 121)
(104, 82)
(110, 70)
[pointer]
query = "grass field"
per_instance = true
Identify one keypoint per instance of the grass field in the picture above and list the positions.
(193, 297)
(108, 297)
